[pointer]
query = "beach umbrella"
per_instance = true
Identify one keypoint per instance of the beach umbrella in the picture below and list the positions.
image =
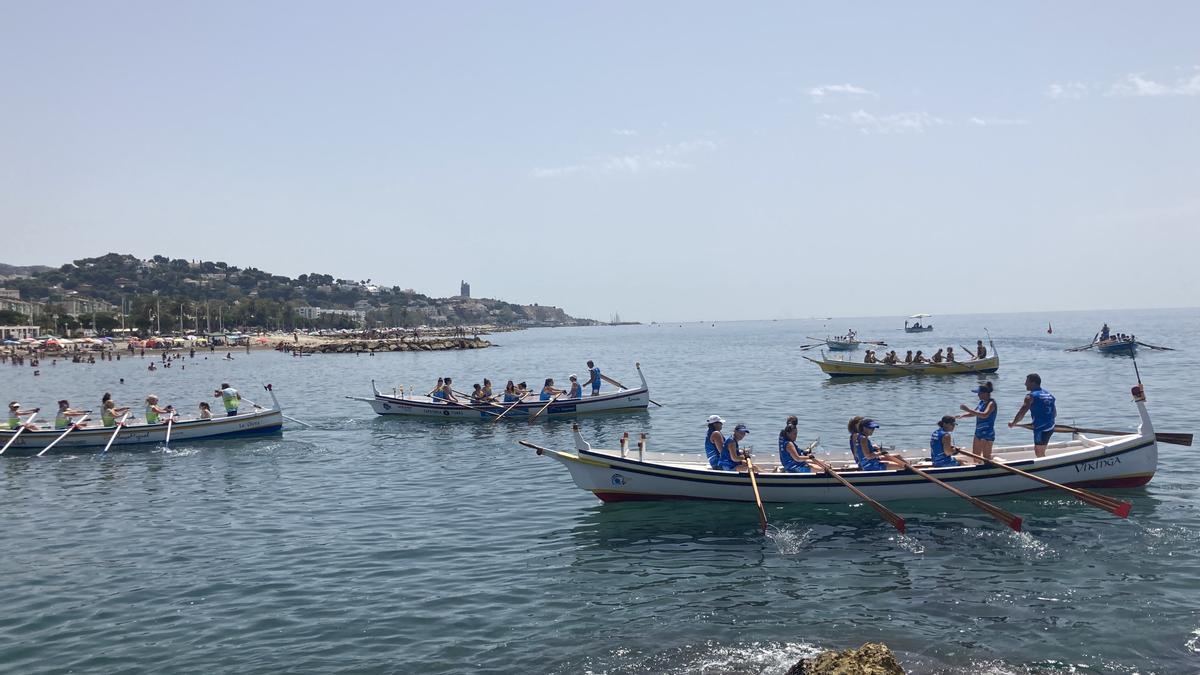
(261, 340)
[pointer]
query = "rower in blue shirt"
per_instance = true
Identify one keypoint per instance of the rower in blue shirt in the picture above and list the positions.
(870, 457)
(576, 391)
(732, 458)
(791, 458)
(941, 445)
(1040, 404)
(985, 420)
(593, 378)
(714, 441)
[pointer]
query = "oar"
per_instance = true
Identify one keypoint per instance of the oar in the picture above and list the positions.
(167, 440)
(1172, 438)
(290, 419)
(468, 407)
(887, 514)
(618, 385)
(1088, 346)
(762, 513)
(1155, 347)
(120, 425)
(472, 400)
(1113, 506)
(996, 512)
(552, 400)
(506, 410)
(19, 430)
(71, 428)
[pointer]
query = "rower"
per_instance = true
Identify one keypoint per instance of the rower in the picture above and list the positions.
(14, 417)
(1040, 403)
(477, 393)
(576, 391)
(732, 458)
(714, 441)
(205, 411)
(920, 357)
(549, 391)
(791, 458)
(908, 357)
(153, 411)
(941, 446)
(487, 390)
(593, 378)
(448, 390)
(109, 411)
(980, 350)
(229, 397)
(437, 389)
(510, 393)
(949, 354)
(62, 419)
(985, 420)
(870, 457)
(870, 357)
(937, 357)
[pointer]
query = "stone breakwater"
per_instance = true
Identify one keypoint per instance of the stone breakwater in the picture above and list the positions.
(401, 345)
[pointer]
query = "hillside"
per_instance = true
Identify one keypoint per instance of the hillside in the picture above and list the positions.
(213, 293)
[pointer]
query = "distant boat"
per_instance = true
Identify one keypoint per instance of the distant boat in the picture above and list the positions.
(917, 327)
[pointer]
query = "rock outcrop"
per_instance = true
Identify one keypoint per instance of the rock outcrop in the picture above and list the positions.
(869, 659)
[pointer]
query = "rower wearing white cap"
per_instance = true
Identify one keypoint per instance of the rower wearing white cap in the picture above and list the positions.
(714, 441)
(576, 390)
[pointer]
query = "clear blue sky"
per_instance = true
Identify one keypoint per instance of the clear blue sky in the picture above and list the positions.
(669, 161)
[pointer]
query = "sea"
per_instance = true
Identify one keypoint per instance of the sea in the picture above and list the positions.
(366, 544)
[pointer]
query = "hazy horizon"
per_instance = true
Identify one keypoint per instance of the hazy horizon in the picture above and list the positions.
(665, 162)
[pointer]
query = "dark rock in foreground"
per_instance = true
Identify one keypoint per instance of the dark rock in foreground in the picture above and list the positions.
(869, 659)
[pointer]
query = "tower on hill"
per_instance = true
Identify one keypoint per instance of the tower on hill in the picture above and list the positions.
(464, 289)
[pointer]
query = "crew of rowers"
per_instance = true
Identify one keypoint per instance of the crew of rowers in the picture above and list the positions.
(112, 415)
(940, 356)
(724, 453)
(483, 393)
(1107, 335)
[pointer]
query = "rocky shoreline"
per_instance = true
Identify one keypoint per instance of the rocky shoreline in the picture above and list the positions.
(384, 345)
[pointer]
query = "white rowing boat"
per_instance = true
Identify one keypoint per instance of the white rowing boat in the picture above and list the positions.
(1113, 461)
(621, 400)
(257, 421)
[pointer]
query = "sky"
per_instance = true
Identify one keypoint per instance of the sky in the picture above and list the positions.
(665, 161)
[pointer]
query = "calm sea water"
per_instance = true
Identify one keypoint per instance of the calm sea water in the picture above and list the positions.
(367, 544)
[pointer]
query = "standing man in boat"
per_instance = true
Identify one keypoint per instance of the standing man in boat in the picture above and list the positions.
(1104, 332)
(985, 420)
(593, 378)
(1040, 404)
(229, 397)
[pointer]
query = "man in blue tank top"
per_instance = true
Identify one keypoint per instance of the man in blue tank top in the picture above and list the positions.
(593, 378)
(1040, 404)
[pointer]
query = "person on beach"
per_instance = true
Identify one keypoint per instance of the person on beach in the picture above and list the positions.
(548, 390)
(732, 458)
(868, 456)
(576, 391)
(984, 413)
(791, 458)
(229, 397)
(941, 445)
(14, 417)
(63, 418)
(205, 411)
(593, 378)
(1040, 403)
(153, 411)
(714, 440)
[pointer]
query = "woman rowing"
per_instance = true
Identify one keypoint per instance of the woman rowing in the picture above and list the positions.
(63, 418)
(477, 394)
(549, 391)
(941, 445)
(109, 412)
(487, 390)
(937, 357)
(153, 411)
(985, 420)
(980, 350)
(714, 441)
(908, 357)
(732, 458)
(576, 390)
(791, 458)
(14, 417)
(920, 357)
(870, 457)
(949, 354)
(510, 393)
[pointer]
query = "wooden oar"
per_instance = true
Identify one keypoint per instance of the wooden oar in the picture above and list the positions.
(539, 412)
(996, 512)
(19, 430)
(1113, 506)
(120, 425)
(1155, 347)
(167, 440)
(887, 514)
(70, 428)
(506, 410)
(1172, 438)
(618, 385)
(762, 513)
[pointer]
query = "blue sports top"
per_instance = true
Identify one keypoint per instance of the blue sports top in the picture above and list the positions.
(576, 391)
(936, 453)
(713, 452)
(986, 425)
(785, 457)
(856, 449)
(727, 455)
(1043, 410)
(596, 378)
